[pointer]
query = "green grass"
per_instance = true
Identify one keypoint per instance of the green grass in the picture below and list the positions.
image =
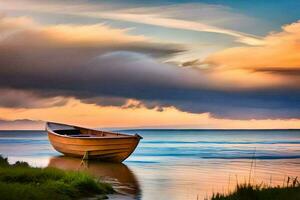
(291, 191)
(20, 181)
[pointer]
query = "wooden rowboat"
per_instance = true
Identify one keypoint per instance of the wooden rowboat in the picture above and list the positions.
(87, 143)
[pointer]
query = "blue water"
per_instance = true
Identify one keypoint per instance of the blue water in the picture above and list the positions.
(162, 145)
(184, 164)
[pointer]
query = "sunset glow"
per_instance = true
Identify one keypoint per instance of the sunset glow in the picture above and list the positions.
(146, 65)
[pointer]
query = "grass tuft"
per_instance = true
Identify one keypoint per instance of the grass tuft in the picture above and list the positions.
(20, 181)
(289, 191)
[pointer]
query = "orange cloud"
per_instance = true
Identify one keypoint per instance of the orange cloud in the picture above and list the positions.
(91, 34)
(15, 23)
(98, 34)
(276, 63)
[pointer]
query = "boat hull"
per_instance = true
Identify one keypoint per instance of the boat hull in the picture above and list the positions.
(107, 149)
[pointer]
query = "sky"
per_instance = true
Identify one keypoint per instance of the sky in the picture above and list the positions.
(150, 64)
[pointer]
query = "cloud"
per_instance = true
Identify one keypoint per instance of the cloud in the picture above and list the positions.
(264, 104)
(279, 71)
(274, 64)
(68, 60)
(96, 37)
(28, 99)
(178, 24)
(44, 65)
(198, 17)
(9, 25)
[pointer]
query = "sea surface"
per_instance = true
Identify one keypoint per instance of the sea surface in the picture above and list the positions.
(176, 164)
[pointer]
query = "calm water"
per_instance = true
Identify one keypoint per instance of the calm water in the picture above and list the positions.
(176, 164)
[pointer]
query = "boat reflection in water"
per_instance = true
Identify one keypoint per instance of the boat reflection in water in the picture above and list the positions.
(118, 174)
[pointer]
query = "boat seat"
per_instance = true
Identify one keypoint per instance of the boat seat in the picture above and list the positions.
(69, 132)
(81, 135)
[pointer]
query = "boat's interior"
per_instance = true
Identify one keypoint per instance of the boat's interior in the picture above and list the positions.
(71, 132)
(86, 133)
(74, 131)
